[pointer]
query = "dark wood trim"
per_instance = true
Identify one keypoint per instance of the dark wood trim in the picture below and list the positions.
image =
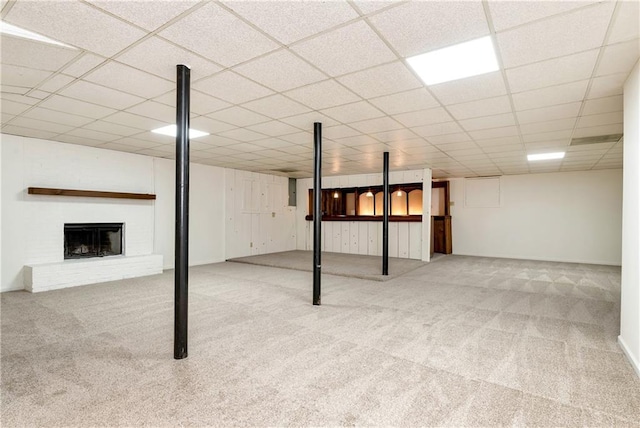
(87, 193)
(392, 218)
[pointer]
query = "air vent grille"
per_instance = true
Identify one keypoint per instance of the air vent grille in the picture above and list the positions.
(611, 138)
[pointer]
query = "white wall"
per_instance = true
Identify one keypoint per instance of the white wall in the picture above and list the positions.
(569, 217)
(362, 237)
(258, 219)
(206, 212)
(630, 290)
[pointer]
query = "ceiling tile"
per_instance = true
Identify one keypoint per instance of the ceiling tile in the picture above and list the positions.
(547, 136)
(26, 122)
(483, 107)
(12, 107)
(470, 89)
(580, 30)
(274, 128)
(600, 105)
(276, 106)
(199, 103)
(212, 126)
(239, 116)
(157, 56)
(27, 132)
(242, 134)
(339, 131)
(211, 30)
(22, 77)
(561, 94)
(402, 102)
(600, 119)
(507, 131)
(96, 94)
(458, 137)
(113, 128)
(146, 14)
(93, 135)
(280, 71)
(55, 83)
(119, 147)
(357, 140)
(380, 124)
(291, 21)
(155, 111)
(76, 107)
(418, 27)
(370, 6)
(130, 80)
(499, 141)
(353, 112)
(135, 142)
(306, 120)
(36, 55)
(437, 129)
(548, 126)
(322, 50)
(607, 86)
(394, 136)
(382, 80)
(625, 24)
(83, 64)
(423, 117)
(511, 14)
(552, 72)
(495, 121)
(75, 23)
(231, 87)
(323, 95)
(561, 111)
(619, 58)
(60, 117)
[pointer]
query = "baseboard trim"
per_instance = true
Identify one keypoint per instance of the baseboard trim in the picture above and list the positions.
(630, 357)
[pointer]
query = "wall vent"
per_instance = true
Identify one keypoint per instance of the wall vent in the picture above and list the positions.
(611, 138)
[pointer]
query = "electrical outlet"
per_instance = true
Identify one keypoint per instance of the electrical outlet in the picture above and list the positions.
(250, 244)
(273, 215)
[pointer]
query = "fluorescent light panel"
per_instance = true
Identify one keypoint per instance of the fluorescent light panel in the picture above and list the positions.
(171, 130)
(545, 156)
(456, 62)
(12, 30)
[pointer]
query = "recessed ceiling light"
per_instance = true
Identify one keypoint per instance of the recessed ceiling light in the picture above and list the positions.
(545, 156)
(170, 130)
(12, 30)
(456, 62)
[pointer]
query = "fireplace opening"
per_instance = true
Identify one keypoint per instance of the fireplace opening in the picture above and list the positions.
(85, 240)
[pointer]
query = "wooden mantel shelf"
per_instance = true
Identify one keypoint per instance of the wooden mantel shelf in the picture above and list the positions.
(88, 193)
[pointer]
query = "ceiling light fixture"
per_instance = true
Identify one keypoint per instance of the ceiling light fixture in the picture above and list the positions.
(456, 62)
(12, 30)
(170, 130)
(545, 156)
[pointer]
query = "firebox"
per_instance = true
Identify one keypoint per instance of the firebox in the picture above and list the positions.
(85, 240)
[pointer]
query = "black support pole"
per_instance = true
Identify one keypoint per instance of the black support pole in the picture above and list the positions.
(182, 214)
(317, 209)
(385, 215)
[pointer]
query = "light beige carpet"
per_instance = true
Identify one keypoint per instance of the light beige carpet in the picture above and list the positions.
(460, 342)
(351, 265)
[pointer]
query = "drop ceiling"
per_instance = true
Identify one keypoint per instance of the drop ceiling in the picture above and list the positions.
(262, 72)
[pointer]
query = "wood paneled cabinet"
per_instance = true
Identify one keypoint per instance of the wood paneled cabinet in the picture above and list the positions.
(441, 234)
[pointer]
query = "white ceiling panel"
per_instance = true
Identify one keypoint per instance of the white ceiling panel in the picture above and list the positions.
(423, 117)
(473, 88)
(353, 112)
(276, 106)
(380, 124)
(231, 87)
(155, 110)
(593, 131)
(130, 80)
(93, 135)
(12, 107)
(402, 102)
(113, 128)
(242, 134)
(31, 54)
(553, 95)
(370, 6)
(323, 95)
(119, 147)
(306, 121)
(55, 83)
(22, 77)
(83, 64)
(41, 125)
(548, 126)
(101, 95)
(382, 80)
(76, 107)
(239, 116)
(274, 128)
(60, 117)
(418, 27)
(547, 136)
(607, 86)
(603, 105)
(211, 31)
(76, 24)
(625, 25)
(27, 132)
(486, 122)
(552, 72)
(484, 107)
(339, 131)
(507, 131)
(212, 126)
(200, 103)
(135, 142)
(289, 21)
(370, 50)
(437, 129)
(508, 14)
(280, 71)
(561, 111)
(579, 30)
(146, 14)
(395, 136)
(159, 57)
(458, 137)
(600, 119)
(619, 58)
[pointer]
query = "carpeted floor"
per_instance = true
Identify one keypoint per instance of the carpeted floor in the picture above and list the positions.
(350, 265)
(459, 342)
